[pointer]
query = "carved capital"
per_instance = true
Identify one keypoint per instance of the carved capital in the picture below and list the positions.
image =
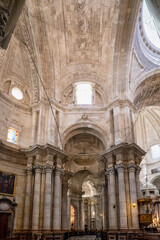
(110, 171)
(29, 170)
(38, 168)
(58, 171)
(48, 168)
(138, 170)
(120, 168)
(132, 167)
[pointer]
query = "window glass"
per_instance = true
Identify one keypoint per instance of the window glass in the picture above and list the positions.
(12, 135)
(150, 26)
(17, 93)
(84, 93)
(155, 150)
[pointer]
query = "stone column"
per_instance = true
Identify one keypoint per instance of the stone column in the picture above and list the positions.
(89, 214)
(85, 207)
(36, 198)
(104, 206)
(47, 198)
(57, 200)
(96, 213)
(27, 206)
(122, 196)
(80, 215)
(41, 213)
(139, 194)
(64, 205)
(83, 215)
(133, 196)
(69, 213)
(159, 209)
(112, 198)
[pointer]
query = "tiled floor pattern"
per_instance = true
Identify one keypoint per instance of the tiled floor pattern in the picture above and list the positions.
(85, 237)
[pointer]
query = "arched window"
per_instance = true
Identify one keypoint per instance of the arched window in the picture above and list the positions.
(151, 22)
(84, 93)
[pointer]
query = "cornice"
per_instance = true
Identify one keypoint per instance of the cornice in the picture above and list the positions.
(50, 149)
(86, 108)
(123, 147)
(13, 154)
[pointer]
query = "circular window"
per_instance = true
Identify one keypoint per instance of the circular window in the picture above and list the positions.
(17, 93)
(151, 23)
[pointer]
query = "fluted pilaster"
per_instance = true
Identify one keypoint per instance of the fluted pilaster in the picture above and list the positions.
(57, 199)
(122, 196)
(133, 196)
(139, 194)
(64, 205)
(112, 198)
(36, 198)
(47, 198)
(104, 207)
(27, 206)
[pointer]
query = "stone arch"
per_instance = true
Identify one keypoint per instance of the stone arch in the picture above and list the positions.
(85, 127)
(145, 76)
(148, 91)
(156, 181)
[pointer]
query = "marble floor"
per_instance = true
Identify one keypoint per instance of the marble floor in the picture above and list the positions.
(85, 237)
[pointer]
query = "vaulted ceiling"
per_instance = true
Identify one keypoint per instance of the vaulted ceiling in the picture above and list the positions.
(73, 40)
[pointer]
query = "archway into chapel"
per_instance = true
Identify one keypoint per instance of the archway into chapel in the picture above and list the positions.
(85, 186)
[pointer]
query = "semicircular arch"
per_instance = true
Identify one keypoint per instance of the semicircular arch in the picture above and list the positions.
(89, 127)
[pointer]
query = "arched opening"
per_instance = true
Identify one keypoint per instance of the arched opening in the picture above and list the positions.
(72, 217)
(85, 190)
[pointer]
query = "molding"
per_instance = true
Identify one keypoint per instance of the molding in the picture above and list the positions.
(6, 99)
(123, 147)
(50, 149)
(13, 154)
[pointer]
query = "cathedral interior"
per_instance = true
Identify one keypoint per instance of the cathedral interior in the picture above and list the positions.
(79, 118)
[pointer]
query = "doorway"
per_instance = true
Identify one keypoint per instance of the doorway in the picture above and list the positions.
(4, 225)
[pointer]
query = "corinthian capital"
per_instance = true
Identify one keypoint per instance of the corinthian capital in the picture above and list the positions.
(29, 170)
(132, 167)
(58, 171)
(120, 168)
(37, 168)
(138, 170)
(110, 171)
(48, 168)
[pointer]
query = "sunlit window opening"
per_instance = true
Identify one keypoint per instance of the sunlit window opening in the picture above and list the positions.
(150, 26)
(155, 150)
(84, 93)
(88, 189)
(17, 93)
(12, 135)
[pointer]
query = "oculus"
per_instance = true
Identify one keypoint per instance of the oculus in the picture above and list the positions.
(17, 93)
